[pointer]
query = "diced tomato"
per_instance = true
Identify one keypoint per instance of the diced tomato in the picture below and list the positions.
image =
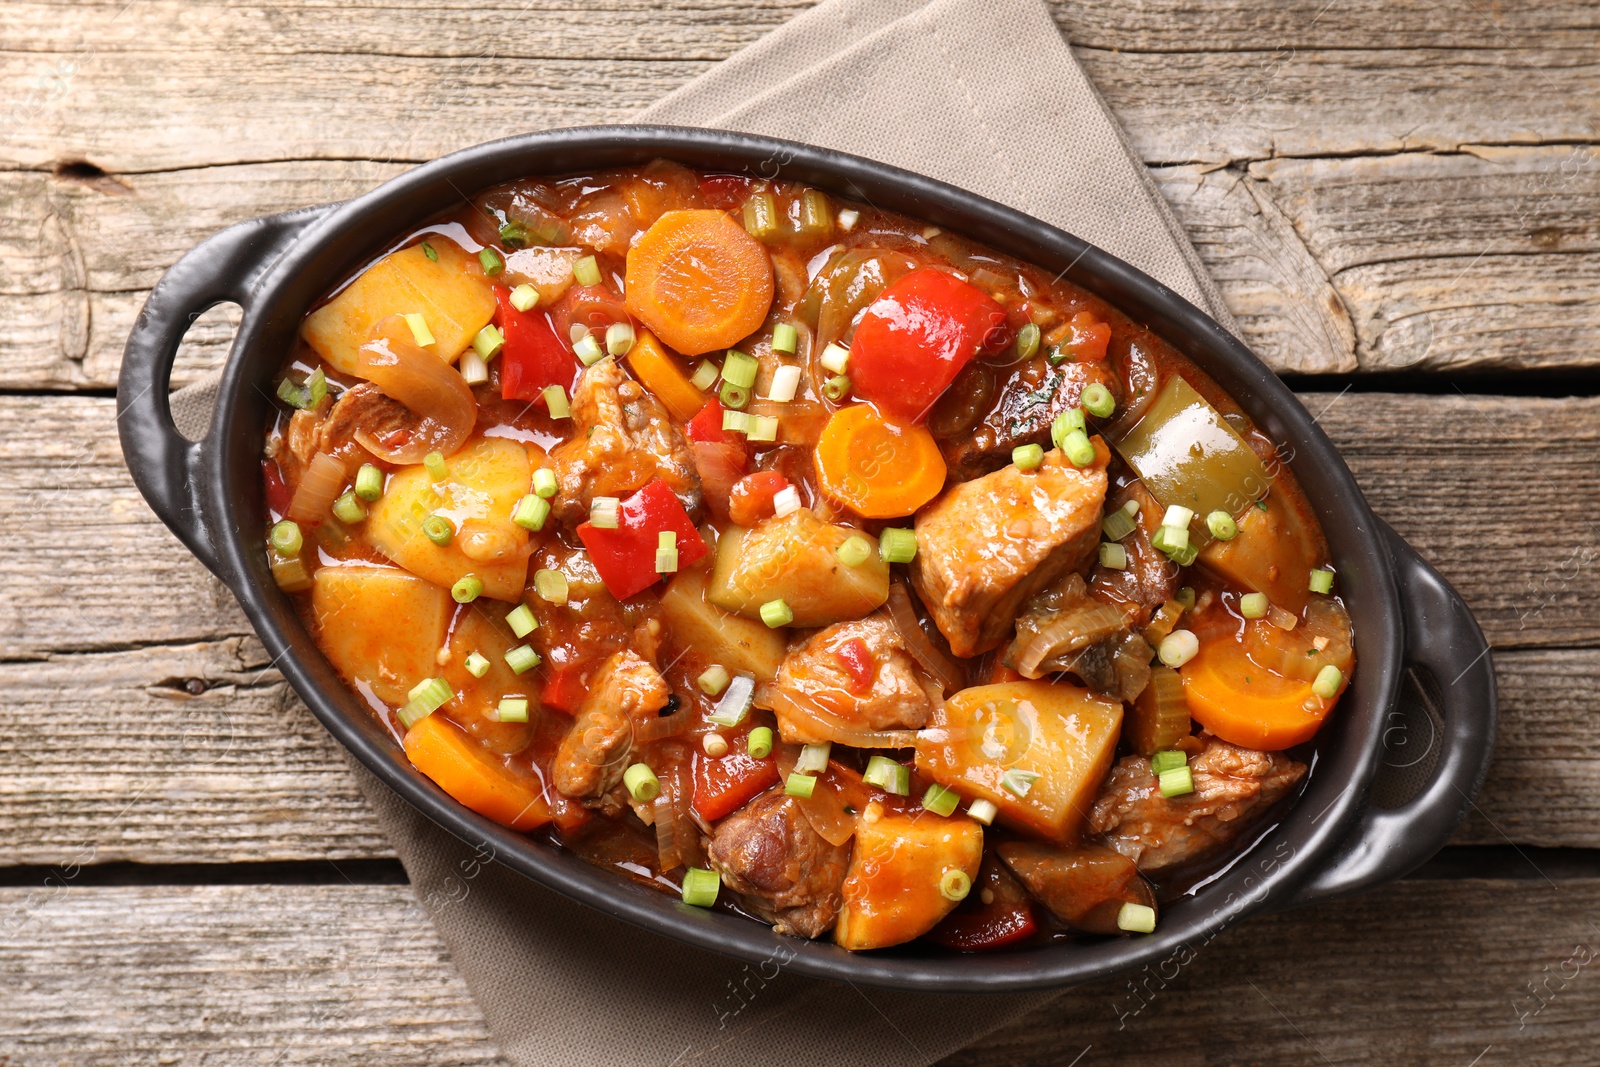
(724, 784)
(707, 426)
(751, 499)
(533, 358)
(1086, 339)
(976, 925)
(725, 191)
(856, 659)
(917, 336)
(277, 493)
(626, 556)
(565, 690)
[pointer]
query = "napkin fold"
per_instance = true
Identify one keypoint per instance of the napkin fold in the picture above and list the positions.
(986, 95)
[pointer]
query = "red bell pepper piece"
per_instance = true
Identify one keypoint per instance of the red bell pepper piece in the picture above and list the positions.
(856, 659)
(976, 926)
(707, 426)
(565, 689)
(1087, 341)
(751, 498)
(277, 493)
(724, 784)
(533, 358)
(626, 556)
(917, 336)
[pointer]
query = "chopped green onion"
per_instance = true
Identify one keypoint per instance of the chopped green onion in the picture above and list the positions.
(431, 693)
(588, 350)
(1098, 401)
(714, 745)
(586, 271)
(411, 713)
(521, 620)
(492, 263)
(761, 216)
(290, 574)
(643, 785)
(428, 251)
(287, 538)
(1185, 555)
(955, 884)
(835, 358)
(816, 217)
(544, 482)
(577, 332)
(603, 512)
(700, 887)
(799, 785)
(1177, 782)
(1178, 517)
(512, 709)
(735, 703)
(467, 589)
(513, 234)
(1018, 781)
(983, 810)
(762, 428)
(666, 552)
(776, 613)
(733, 396)
(940, 800)
(1178, 648)
(1078, 449)
(437, 471)
(1136, 918)
(1254, 605)
(1167, 760)
(1117, 525)
(1065, 425)
(419, 329)
(1113, 556)
(1131, 509)
(1170, 539)
(854, 551)
(488, 341)
(1222, 526)
(1185, 596)
(785, 502)
(848, 219)
(293, 395)
(713, 680)
(887, 775)
(555, 399)
(1329, 679)
(1321, 581)
(619, 338)
(477, 665)
(759, 743)
(524, 297)
(836, 388)
(438, 529)
(531, 512)
(705, 373)
(349, 508)
(369, 483)
(897, 545)
(785, 383)
(813, 759)
(522, 659)
(736, 422)
(740, 369)
(550, 585)
(784, 339)
(1027, 342)
(1027, 457)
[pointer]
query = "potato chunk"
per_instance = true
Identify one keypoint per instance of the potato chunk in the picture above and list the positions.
(379, 626)
(1037, 750)
(741, 645)
(892, 893)
(796, 559)
(484, 482)
(481, 628)
(450, 292)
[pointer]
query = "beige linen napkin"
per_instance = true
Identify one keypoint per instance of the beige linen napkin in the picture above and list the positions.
(986, 95)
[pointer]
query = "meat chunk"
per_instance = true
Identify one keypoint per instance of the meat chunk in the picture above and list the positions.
(1028, 401)
(787, 873)
(1232, 787)
(861, 672)
(598, 745)
(1150, 578)
(622, 439)
(989, 544)
(1085, 887)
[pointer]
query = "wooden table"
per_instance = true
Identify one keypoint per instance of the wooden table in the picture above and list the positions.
(1399, 197)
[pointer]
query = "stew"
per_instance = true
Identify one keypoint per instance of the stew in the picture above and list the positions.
(802, 559)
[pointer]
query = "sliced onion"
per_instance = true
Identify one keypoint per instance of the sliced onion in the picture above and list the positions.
(945, 670)
(1088, 623)
(677, 835)
(426, 385)
(824, 809)
(319, 486)
(661, 727)
(819, 724)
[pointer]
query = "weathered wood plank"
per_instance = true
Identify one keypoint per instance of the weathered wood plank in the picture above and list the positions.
(315, 974)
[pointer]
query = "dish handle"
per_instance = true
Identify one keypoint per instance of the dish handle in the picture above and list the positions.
(1442, 637)
(225, 267)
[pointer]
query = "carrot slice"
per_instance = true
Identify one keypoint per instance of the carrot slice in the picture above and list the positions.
(878, 467)
(661, 375)
(467, 771)
(699, 281)
(1247, 705)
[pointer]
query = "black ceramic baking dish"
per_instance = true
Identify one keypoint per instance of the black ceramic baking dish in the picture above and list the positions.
(1333, 841)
